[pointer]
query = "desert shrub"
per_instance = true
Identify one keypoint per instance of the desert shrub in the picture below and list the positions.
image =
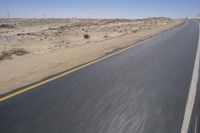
(22, 34)
(18, 51)
(86, 36)
(4, 55)
(6, 26)
(14, 51)
(106, 36)
(63, 27)
(134, 31)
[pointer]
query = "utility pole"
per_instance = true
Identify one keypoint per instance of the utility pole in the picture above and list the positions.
(44, 16)
(8, 15)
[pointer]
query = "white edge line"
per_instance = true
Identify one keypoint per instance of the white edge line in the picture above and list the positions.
(192, 91)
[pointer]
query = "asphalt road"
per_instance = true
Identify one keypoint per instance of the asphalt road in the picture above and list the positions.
(141, 90)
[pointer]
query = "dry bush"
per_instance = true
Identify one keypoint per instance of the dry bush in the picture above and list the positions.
(7, 26)
(106, 36)
(134, 31)
(86, 36)
(14, 51)
(4, 55)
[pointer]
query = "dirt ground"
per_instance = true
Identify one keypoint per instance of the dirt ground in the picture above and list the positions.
(32, 49)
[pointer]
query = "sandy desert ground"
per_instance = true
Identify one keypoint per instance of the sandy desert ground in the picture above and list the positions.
(32, 49)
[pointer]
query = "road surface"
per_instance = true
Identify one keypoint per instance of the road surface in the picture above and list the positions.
(142, 90)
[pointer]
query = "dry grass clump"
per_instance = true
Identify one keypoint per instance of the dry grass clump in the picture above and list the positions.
(14, 51)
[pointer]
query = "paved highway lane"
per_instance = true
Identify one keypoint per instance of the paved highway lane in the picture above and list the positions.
(141, 90)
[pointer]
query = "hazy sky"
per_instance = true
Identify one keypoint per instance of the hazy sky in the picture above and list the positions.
(99, 8)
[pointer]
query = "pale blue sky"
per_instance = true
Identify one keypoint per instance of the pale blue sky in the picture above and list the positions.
(99, 8)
